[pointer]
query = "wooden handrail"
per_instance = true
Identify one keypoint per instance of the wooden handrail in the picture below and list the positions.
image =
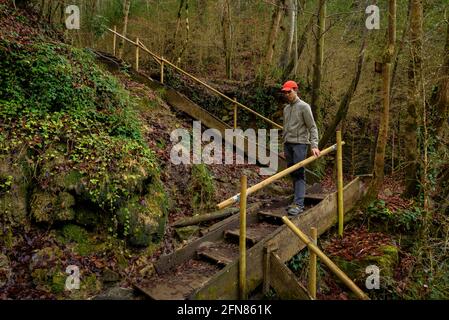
(275, 177)
(328, 262)
(162, 59)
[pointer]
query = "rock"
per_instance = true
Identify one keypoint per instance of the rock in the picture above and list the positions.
(185, 233)
(45, 257)
(386, 262)
(5, 270)
(49, 207)
(116, 293)
(13, 189)
(74, 233)
(47, 270)
(110, 276)
(87, 217)
(144, 218)
(70, 181)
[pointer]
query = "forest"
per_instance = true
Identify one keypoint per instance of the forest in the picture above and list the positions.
(95, 94)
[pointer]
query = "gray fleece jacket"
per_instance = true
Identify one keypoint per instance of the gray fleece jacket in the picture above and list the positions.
(299, 125)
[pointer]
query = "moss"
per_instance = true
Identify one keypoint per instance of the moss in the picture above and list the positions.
(13, 190)
(49, 207)
(43, 205)
(58, 282)
(74, 233)
(87, 217)
(69, 181)
(185, 233)
(90, 284)
(386, 262)
(143, 218)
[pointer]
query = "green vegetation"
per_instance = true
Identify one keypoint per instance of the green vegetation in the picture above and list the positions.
(202, 189)
(70, 130)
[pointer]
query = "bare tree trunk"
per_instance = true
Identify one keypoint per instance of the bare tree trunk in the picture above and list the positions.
(268, 59)
(227, 37)
(441, 100)
(186, 40)
(317, 67)
(287, 54)
(379, 158)
(411, 120)
(126, 7)
(399, 51)
(302, 44)
(170, 50)
(344, 104)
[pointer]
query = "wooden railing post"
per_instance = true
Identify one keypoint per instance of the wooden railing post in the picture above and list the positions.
(242, 243)
(137, 54)
(114, 42)
(340, 184)
(312, 264)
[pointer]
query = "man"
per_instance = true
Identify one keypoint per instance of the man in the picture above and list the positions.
(299, 131)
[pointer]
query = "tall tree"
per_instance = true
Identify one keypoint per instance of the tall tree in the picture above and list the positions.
(441, 98)
(271, 41)
(186, 40)
(344, 104)
(288, 45)
(227, 36)
(379, 157)
(317, 66)
(126, 8)
(294, 59)
(415, 98)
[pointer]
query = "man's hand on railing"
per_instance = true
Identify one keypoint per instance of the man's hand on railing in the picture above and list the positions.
(316, 152)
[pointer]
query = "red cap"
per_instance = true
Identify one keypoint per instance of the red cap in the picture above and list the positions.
(289, 85)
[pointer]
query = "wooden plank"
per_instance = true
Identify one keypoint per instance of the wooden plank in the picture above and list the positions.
(323, 216)
(167, 262)
(174, 290)
(251, 208)
(220, 255)
(284, 282)
(254, 233)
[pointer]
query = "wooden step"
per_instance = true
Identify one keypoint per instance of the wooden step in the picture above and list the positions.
(254, 233)
(273, 216)
(220, 253)
(178, 284)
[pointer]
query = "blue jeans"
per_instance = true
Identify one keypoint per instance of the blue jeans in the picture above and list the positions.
(294, 153)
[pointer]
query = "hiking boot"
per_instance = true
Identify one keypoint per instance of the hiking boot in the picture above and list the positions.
(295, 209)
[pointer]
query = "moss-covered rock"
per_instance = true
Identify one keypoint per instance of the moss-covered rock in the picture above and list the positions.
(49, 207)
(46, 269)
(185, 233)
(88, 217)
(143, 218)
(82, 242)
(70, 181)
(13, 190)
(74, 233)
(386, 262)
